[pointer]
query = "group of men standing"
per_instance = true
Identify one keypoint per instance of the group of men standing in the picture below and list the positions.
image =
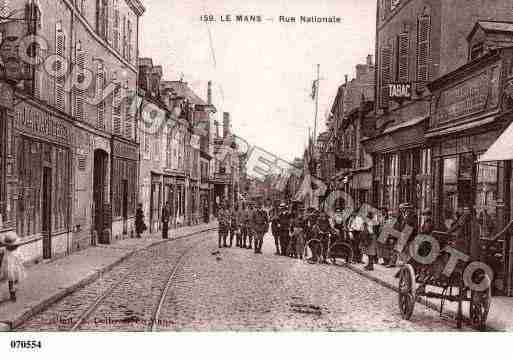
(247, 224)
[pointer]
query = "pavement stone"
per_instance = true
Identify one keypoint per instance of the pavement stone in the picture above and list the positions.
(49, 282)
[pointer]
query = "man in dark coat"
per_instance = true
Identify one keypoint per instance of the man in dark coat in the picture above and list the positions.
(275, 228)
(224, 225)
(285, 219)
(234, 224)
(260, 227)
(166, 214)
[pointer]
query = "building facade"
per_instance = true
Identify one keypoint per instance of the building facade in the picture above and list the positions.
(417, 42)
(70, 134)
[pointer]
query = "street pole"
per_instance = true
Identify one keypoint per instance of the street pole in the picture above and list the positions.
(316, 104)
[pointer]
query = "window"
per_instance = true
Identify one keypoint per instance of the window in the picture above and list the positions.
(476, 51)
(124, 38)
(403, 51)
(394, 4)
(486, 198)
(450, 191)
(116, 26)
(390, 180)
(102, 18)
(423, 51)
(129, 41)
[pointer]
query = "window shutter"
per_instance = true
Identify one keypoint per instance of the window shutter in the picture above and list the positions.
(116, 27)
(4, 8)
(100, 86)
(386, 73)
(128, 114)
(60, 46)
(116, 108)
(124, 36)
(79, 93)
(403, 50)
(423, 51)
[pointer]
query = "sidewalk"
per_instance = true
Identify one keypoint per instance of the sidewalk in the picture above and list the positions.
(49, 282)
(500, 317)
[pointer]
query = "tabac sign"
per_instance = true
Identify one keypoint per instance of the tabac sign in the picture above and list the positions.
(399, 91)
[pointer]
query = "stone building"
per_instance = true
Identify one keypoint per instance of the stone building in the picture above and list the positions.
(69, 148)
(417, 41)
(187, 138)
(152, 132)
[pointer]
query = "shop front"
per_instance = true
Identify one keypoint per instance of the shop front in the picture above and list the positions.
(7, 160)
(124, 184)
(469, 113)
(400, 172)
(42, 144)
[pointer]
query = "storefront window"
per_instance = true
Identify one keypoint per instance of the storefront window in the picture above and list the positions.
(391, 170)
(425, 197)
(486, 198)
(450, 191)
(32, 157)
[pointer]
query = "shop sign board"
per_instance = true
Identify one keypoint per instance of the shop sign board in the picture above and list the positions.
(471, 96)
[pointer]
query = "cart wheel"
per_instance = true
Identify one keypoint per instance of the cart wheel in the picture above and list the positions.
(406, 293)
(479, 307)
(343, 248)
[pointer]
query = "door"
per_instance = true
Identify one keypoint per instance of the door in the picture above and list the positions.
(46, 213)
(125, 206)
(99, 175)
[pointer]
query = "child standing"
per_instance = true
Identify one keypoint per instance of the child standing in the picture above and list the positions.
(12, 265)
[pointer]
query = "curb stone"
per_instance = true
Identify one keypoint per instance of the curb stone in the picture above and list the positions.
(42, 305)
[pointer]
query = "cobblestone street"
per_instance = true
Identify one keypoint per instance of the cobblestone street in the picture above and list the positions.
(231, 289)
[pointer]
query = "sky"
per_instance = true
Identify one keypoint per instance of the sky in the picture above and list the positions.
(262, 73)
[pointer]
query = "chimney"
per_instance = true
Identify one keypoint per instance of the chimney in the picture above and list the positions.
(226, 124)
(209, 93)
(369, 60)
(346, 77)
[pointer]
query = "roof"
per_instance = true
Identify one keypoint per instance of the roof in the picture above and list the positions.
(181, 89)
(492, 26)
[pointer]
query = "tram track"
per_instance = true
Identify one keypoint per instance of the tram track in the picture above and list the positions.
(103, 306)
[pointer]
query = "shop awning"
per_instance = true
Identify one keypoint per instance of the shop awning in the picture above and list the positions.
(502, 148)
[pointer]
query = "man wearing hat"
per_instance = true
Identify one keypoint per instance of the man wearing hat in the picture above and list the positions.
(285, 219)
(12, 265)
(224, 225)
(275, 228)
(260, 226)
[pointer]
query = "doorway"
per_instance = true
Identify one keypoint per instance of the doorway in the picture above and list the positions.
(99, 179)
(46, 213)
